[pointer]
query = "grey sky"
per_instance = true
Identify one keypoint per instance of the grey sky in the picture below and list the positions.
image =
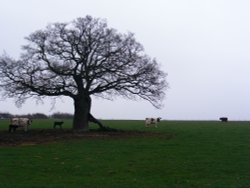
(203, 45)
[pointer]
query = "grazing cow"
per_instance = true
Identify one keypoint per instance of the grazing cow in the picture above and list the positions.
(19, 122)
(58, 123)
(152, 121)
(224, 119)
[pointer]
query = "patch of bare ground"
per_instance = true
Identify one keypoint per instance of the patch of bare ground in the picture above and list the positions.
(33, 137)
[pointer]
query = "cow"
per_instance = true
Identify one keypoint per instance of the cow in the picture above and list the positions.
(224, 119)
(152, 121)
(19, 122)
(58, 123)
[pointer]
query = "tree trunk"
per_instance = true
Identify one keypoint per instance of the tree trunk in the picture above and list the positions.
(82, 115)
(82, 106)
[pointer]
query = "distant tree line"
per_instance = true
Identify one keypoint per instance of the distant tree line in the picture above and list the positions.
(56, 115)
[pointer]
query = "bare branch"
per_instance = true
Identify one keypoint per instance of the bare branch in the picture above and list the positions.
(82, 58)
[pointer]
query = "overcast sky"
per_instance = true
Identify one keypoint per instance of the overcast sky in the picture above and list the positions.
(203, 45)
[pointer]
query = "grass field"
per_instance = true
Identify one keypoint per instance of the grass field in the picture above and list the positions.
(195, 154)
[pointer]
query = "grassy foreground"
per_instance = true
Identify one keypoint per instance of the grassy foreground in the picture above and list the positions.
(197, 154)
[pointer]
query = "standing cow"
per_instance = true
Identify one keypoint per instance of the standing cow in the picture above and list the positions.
(152, 121)
(19, 122)
(58, 123)
(224, 119)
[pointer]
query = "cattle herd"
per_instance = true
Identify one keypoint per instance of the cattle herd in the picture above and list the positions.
(24, 123)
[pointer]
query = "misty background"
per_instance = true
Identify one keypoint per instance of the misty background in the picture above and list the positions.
(204, 46)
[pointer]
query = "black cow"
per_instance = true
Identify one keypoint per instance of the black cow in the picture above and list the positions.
(224, 119)
(58, 123)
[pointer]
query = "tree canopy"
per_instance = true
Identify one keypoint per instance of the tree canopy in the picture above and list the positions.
(80, 59)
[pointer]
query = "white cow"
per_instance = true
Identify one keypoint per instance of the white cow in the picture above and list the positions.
(152, 121)
(19, 122)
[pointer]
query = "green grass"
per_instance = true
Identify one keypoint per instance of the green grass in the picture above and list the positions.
(199, 154)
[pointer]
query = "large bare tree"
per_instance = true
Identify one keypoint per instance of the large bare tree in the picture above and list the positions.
(81, 59)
